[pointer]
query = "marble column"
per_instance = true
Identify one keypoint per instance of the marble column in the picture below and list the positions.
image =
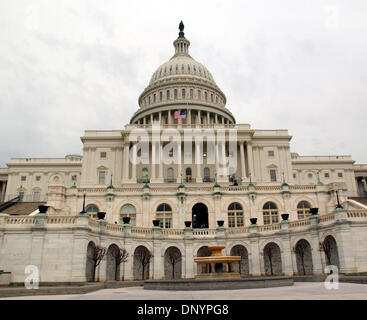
(160, 162)
(126, 162)
(242, 155)
(250, 160)
(179, 163)
(198, 165)
(133, 173)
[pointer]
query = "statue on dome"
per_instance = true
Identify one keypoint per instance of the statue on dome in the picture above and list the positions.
(181, 27)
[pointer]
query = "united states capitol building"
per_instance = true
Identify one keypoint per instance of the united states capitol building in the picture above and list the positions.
(184, 164)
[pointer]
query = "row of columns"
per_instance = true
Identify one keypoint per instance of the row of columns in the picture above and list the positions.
(160, 178)
(210, 118)
(2, 190)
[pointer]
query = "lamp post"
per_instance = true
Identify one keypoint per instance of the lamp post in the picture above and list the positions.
(83, 210)
(339, 206)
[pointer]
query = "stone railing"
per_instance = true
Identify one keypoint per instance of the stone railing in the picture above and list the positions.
(236, 231)
(20, 220)
(173, 233)
(357, 214)
(114, 228)
(204, 233)
(327, 218)
(299, 223)
(141, 232)
(270, 227)
(61, 220)
(93, 225)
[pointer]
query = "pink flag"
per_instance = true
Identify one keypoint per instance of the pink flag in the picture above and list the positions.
(177, 114)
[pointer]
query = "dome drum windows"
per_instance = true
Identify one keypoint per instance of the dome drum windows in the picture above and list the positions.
(270, 213)
(235, 215)
(183, 93)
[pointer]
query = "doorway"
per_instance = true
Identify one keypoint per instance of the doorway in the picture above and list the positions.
(200, 216)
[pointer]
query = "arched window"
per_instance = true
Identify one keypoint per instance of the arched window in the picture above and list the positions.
(188, 175)
(191, 93)
(183, 93)
(206, 175)
(303, 210)
(270, 213)
(235, 215)
(199, 94)
(164, 215)
(128, 210)
(154, 95)
(170, 175)
(92, 211)
(206, 96)
(175, 93)
(168, 95)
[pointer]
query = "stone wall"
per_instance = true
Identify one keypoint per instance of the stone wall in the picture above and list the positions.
(59, 247)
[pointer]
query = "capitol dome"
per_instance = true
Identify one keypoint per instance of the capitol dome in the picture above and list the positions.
(182, 84)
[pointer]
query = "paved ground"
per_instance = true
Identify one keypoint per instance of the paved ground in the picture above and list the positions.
(299, 291)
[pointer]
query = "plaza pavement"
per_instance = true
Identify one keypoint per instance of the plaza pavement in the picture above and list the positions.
(299, 291)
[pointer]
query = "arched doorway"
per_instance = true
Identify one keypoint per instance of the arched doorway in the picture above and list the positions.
(203, 252)
(172, 263)
(242, 267)
(89, 270)
(112, 273)
(303, 257)
(272, 260)
(330, 249)
(200, 216)
(142, 259)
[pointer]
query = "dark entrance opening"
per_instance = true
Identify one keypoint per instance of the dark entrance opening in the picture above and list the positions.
(200, 216)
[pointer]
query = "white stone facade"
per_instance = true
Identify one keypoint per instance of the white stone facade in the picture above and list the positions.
(268, 181)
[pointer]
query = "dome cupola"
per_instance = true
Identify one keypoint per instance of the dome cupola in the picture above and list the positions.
(182, 83)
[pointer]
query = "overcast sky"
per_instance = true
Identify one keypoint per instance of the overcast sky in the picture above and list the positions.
(70, 66)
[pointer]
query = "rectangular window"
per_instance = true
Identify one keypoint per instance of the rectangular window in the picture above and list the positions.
(294, 175)
(326, 174)
(191, 93)
(101, 177)
(38, 178)
(168, 95)
(340, 174)
(73, 178)
(273, 175)
(270, 153)
(103, 155)
(23, 178)
(160, 96)
(36, 196)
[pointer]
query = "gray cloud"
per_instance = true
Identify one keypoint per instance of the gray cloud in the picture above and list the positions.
(76, 66)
